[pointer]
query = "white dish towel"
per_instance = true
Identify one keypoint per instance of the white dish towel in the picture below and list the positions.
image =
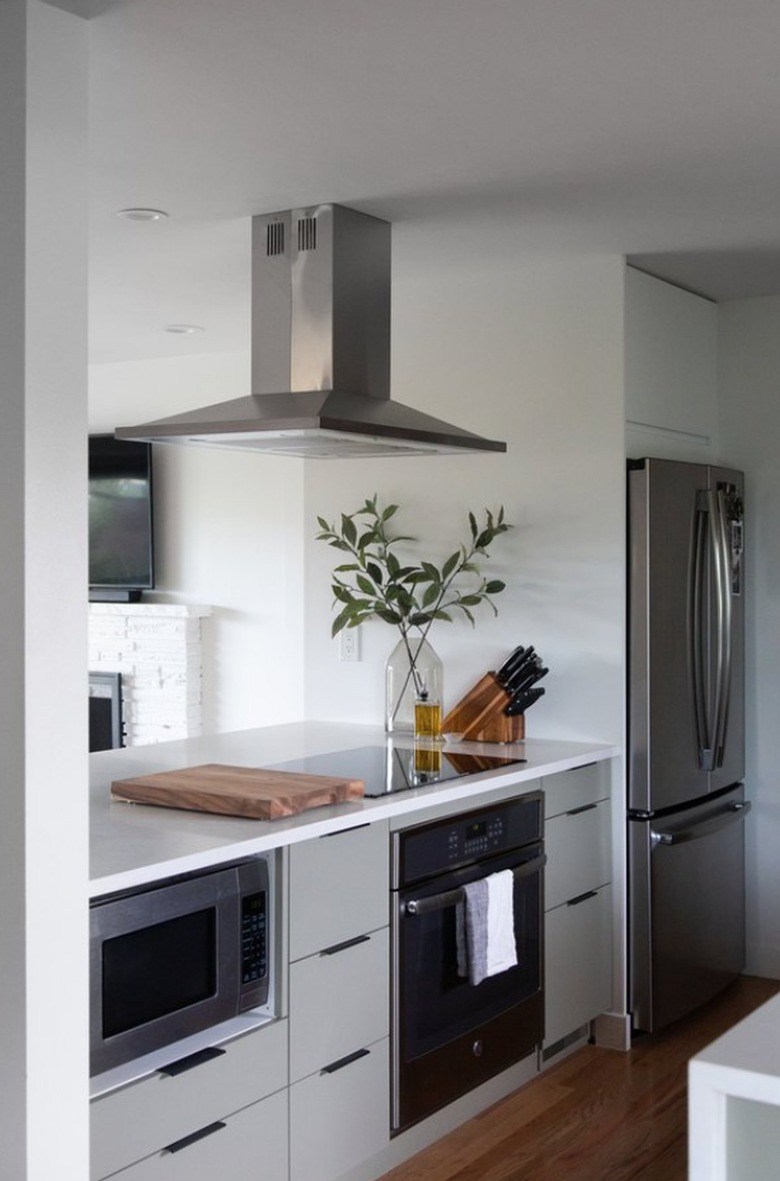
(501, 949)
(485, 927)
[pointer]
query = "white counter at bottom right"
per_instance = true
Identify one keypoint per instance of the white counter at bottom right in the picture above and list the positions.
(734, 1102)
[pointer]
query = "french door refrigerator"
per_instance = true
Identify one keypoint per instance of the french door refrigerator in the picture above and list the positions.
(686, 799)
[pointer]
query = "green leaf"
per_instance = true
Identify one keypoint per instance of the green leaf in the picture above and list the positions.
(431, 571)
(420, 618)
(467, 613)
(389, 512)
(393, 565)
(323, 524)
(473, 525)
(375, 572)
(470, 601)
(442, 615)
(347, 566)
(390, 616)
(348, 529)
(494, 587)
(450, 565)
(339, 623)
(365, 584)
(431, 595)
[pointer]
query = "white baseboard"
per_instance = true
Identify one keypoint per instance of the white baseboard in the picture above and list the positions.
(612, 1031)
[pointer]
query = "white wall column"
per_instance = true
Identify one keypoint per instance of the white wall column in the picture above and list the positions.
(43, 798)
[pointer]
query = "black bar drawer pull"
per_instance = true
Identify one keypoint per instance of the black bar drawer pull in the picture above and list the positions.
(342, 1062)
(340, 832)
(581, 809)
(337, 947)
(582, 898)
(201, 1134)
(191, 1061)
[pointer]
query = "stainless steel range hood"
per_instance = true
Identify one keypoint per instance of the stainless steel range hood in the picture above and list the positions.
(320, 351)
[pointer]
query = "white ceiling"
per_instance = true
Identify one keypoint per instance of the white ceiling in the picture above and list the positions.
(642, 127)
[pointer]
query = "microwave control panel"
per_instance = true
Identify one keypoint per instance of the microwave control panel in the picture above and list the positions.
(254, 938)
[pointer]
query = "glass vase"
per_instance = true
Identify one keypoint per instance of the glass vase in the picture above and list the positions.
(408, 682)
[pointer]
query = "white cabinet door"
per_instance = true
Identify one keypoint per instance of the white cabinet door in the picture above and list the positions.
(577, 963)
(340, 1116)
(573, 789)
(339, 888)
(130, 1123)
(251, 1145)
(579, 855)
(339, 1002)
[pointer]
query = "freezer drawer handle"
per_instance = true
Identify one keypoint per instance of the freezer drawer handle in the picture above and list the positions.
(418, 906)
(735, 813)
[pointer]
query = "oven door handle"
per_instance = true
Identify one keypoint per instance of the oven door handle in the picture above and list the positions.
(420, 906)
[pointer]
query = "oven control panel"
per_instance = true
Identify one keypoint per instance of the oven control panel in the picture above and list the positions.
(430, 848)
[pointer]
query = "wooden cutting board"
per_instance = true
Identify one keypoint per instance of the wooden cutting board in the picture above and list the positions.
(237, 791)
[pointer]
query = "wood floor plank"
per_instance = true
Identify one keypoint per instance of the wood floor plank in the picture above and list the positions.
(600, 1115)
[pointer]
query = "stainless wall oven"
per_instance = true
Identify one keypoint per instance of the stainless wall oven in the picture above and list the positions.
(450, 1035)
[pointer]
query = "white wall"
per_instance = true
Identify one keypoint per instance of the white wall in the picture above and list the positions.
(228, 533)
(43, 717)
(750, 417)
(533, 355)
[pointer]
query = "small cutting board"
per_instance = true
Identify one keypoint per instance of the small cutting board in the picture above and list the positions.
(238, 791)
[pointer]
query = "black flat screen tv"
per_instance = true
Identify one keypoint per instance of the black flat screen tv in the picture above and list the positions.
(121, 524)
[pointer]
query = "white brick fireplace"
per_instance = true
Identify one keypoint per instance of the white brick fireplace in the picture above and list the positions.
(157, 649)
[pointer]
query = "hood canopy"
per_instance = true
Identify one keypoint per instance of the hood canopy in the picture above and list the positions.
(320, 351)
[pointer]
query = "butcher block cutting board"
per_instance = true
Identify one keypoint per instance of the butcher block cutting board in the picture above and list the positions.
(237, 791)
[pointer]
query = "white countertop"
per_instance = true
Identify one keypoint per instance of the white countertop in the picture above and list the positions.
(132, 844)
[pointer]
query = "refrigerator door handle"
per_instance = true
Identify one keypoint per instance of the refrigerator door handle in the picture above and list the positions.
(696, 633)
(735, 813)
(720, 545)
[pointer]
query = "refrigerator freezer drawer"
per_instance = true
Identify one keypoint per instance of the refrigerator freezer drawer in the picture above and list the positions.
(687, 908)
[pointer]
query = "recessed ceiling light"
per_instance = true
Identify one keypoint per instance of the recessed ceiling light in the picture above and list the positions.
(142, 214)
(183, 329)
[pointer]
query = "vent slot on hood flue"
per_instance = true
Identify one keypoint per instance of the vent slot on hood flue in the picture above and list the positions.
(320, 351)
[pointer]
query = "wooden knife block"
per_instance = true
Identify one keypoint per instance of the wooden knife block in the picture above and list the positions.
(480, 717)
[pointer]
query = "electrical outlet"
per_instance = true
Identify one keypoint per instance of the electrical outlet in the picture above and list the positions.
(349, 644)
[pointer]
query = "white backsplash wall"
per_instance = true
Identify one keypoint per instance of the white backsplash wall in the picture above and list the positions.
(533, 356)
(228, 536)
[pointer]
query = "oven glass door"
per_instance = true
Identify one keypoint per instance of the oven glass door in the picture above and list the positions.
(450, 1034)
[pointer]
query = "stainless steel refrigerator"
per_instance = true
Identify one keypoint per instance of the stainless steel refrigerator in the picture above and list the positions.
(686, 798)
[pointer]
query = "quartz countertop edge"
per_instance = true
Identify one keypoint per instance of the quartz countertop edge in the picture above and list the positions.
(135, 844)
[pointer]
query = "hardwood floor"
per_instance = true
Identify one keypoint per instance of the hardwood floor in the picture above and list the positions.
(600, 1115)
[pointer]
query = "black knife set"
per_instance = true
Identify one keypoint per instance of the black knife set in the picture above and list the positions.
(494, 710)
(518, 676)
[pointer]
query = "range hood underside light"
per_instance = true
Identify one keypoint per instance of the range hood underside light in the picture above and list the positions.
(320, 326)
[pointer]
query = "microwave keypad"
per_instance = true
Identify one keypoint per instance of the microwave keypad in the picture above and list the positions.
(253, 938)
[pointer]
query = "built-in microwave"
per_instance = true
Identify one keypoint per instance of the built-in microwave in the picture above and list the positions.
(176, 957)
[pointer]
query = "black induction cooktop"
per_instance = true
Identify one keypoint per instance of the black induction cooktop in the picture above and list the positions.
(390, 767)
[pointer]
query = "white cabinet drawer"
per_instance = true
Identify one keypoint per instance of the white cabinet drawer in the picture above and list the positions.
(252, 1143)
(339, 1002)
(141, 1118)
(572, 789)
(578, 963)
(341, 1118)
(339, 888)
(578, 848)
